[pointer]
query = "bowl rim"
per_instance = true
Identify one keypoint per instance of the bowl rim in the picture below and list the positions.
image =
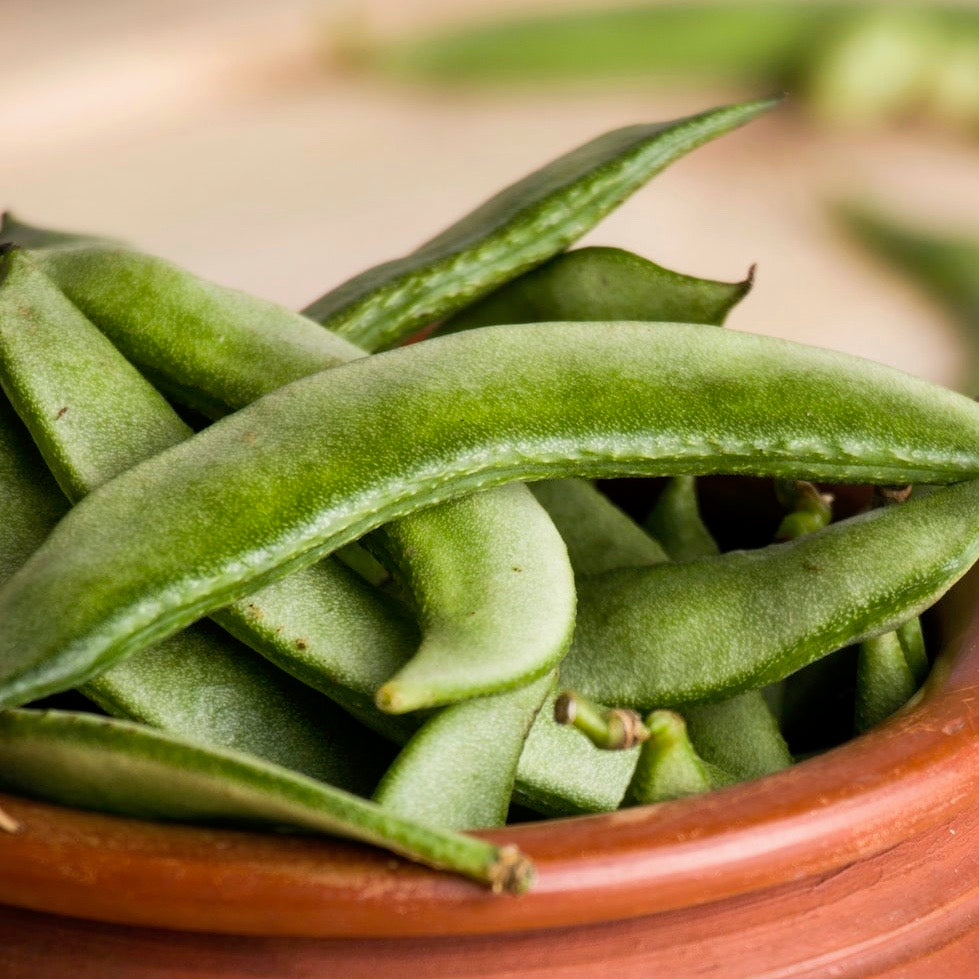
(908, 775)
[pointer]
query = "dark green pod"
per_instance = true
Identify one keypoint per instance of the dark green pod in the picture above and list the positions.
(518, 228)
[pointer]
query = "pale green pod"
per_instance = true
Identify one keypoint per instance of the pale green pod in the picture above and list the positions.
(95, 416)
(602, 284)
(471, 597)
(912, 641)
(216, 349)
(116, 766)
(598, 535)
(458, 770)
(739, 736)
(675, 521)
(331, 457)
(515, 230)
(711, 628)
(885, 682)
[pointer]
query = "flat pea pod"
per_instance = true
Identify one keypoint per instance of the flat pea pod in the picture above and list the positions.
(679, 633)
(480, 599)
(95, 416)
(124, 768)
(458, 770)
(601, 284)
(331, 457)
(215, 349)
(518, 228)
(943, 265)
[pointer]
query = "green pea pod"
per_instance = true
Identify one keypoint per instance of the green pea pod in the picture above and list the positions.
(669, 766)
(598, 535)
(885, 682)
(30, 503)
(681, 633)
(517, 229)
(94, 415)
(124, 768)
(474, 584)
(943, 265)
(216, 349)
(601, 284)
(331, 457)
(738, 736)
(912, 641)
(458, 769)
(675, 521)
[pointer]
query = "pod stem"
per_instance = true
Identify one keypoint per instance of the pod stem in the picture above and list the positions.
(809, 509)
(614, 729)
(511, 872)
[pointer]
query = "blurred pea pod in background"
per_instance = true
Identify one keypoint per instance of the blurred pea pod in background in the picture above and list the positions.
(946, 266)
(849, 62)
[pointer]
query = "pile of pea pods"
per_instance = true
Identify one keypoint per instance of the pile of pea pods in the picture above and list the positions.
(379, 596)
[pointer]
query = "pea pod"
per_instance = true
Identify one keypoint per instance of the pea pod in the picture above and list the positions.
(885, 682)
(515, 230)
(601, 284)
(675, 521)
(458, 769)
(680, 633)
(116, 766)
(331, 457)
(215, 349)
(95, 416)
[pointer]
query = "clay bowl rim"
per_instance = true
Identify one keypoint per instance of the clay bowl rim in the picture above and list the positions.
(901, 779)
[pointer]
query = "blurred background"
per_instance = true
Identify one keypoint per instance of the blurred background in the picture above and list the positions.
(282, 147)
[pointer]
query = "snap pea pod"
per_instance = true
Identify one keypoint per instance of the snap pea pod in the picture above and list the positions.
(331, 457)
(95, 416)
(675, 521)
(124, 768)
(520, 227)
(808, 509)
(601, 284)
(215, 349)
(943, 265)
(680, 633)
(458, 769)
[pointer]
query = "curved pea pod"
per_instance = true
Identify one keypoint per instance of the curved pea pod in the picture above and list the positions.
(708, 629)
(675, 521)
(944, 266)
(517, 229)
(472, 596)
(95, 416)
(119, 767)
(331, 457)
(458, 770)
(216, 349)
(602, 284)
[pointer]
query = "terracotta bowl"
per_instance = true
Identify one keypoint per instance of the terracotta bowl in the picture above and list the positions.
(859, 861)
